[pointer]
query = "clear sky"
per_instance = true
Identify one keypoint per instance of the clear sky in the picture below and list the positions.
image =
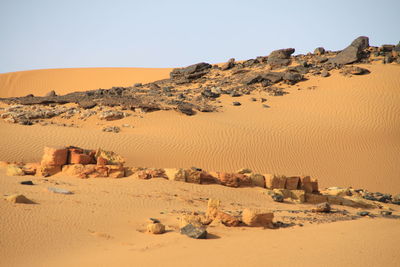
(37, 34)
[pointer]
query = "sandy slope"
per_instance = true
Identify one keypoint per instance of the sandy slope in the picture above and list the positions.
(40, 82)
(100, 226)
(344, 132)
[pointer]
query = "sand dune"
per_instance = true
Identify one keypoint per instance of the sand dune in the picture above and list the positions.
(63, 81)
(345, 133)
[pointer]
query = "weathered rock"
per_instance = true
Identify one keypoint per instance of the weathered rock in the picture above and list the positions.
(31, 168)
(51, 93)
(292, 78)
(309, 185)
(174, 174)
(80, 158)
(73, 170)
(277, 197)
(193, 176)
(111, 129)
(363, 213)
(14, 170)
(257, 180)
(234, 179)
(353, 70)
(322, 207)
(315, 198)
(244, 171)
(54, 156)
(111, 115)
(273, 181)
(87, 104)
(325, 73)
(155, 228)
(292, 183)
(228, 65)
(48, 170)
(298, 196)
(256, 218)
(352, 53)
(194, 232)
(319, 51)
(111, 157)
(281, 57)
(209, 178)
(191, 72)
(194, 219)
(116, 171)
(236, 103)
(186, 109)
(17, 198)
(59, 191)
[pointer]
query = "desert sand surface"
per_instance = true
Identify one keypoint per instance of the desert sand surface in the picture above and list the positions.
(64, 81)
(101, 224)
(342, 130)
(345, 132)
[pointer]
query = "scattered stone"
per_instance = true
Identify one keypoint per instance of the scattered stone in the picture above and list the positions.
(234, 179)
(323, 207)
(386, 213)
(19, 199)
(281, 57)
(277, 197)
(51, 93)
(325, 73)
(110, 157)
(186, 109)
(236, 103)
(256, 218)
(59, 191)
(111, 129)
(87, 104)
(363, 213)
(228, 65)
(14, 170)
(174, 174)
(353, 70)
(111, 115)
(27, 183)
(191, 72)
(156, 228)
(194, 232)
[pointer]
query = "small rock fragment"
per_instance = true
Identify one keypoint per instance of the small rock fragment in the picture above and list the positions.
(156, 228)
(19, 199)
(27, 183)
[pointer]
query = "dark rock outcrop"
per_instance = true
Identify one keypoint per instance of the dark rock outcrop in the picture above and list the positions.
(352, 53)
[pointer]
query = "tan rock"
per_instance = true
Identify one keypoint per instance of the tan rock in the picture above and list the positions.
(193, 176)
(337, 191)
(308, 184)
(14, 170)
(3, 164)
(257, 180)
(315, 198)
(292, 183)
(79, 158)
(209, 178)
(115, 171)
(31, 168)
(73, 169)
(286, 193)
(176, 174)
(17, 198)
(298, 196)
(194, 219)
(244, 171)
(54, 156)
(48, 170)
(256, 218)
(156, 228)
(273, 181)
(112, 158)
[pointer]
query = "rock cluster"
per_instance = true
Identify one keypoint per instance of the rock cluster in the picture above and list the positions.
(73, 161)
(197, 87)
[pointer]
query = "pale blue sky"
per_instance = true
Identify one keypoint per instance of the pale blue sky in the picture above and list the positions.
(39, 34)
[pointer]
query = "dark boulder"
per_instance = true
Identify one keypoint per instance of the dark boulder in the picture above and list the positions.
(191, 72)
(292, 77)
(186, 109)
(319, 51)
(352, 53)
(194, 232)
(280, 58)
(87, 104)
(228, 65)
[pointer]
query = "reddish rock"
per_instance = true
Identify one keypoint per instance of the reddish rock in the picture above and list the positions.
(292, 183)
(234, 179)
(48, 170)
(116, 171)
(54, 156)
(31, 168)
(308, 185)
(76, 158)
(101, 161)
(208, 178)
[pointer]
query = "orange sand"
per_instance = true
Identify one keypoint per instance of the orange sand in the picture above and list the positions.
(345, 132)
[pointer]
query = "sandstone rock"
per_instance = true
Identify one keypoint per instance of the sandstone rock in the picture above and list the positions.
(273, 181)
(244, 171)
(194, 219)
(226, 219)
(110, 115)
(352, 53)
(298, 196)
(194, 232)
(111, 129)
(174, 174)
(337, 191)
(156, 228)
(193, 176)
(80, 158)
(322, 207)
(256, 218)
(54, 156)
(209, 178)
(59, 191)
(315, 198)
(115, 171)
(31, 168)
(285, 193)
(325, 73)
(257, 180)
(3, 164)
(292, 183)
(277, 197)
(112, 158)
(73, 170)
(17, 198)
(308, 184)
(48, 170)
(51, 93)
(87, 104)
(353, 70)
(14, 170)
(234, 179)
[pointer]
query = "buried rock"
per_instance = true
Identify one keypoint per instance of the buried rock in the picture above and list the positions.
(19, 199)
(322, 207)
(14, 170)
(194, 232)
(59, 191)
(156, 228)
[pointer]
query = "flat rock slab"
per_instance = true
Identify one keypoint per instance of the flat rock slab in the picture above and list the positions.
(59, 191)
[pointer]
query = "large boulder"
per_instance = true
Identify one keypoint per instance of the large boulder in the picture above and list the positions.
(256, 218)
(352, 53)
(110, 157)
(191, 72)
(234, 179)
(174, 174)
(273, 181)
(281, 57)
(54, 156)
(17, 198)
